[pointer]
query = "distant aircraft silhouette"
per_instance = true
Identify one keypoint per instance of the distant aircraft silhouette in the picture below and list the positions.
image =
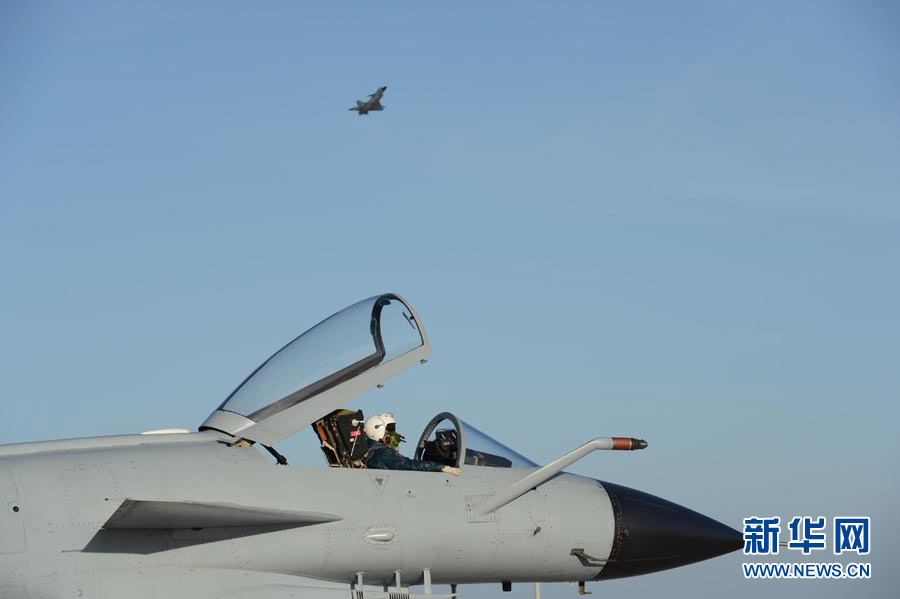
(373, 103)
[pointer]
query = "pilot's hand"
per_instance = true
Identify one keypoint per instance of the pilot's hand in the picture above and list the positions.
(451, 470)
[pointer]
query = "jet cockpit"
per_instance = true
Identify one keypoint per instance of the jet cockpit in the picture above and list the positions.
(309, 380)
(446, 440)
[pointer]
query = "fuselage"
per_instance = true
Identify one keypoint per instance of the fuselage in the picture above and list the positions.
(63, 498)
(60, 494)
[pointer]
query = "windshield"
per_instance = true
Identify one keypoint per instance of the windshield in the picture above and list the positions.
(453, 442)
(340, 347)
(482, 450)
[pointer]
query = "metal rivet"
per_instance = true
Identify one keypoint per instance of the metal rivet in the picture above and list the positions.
(16, 509)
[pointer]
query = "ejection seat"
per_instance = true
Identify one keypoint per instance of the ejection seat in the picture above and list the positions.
(343, 441)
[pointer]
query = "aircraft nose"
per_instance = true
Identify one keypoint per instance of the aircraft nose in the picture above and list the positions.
(652, 534)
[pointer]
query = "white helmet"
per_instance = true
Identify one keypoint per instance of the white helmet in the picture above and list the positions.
(376, 426)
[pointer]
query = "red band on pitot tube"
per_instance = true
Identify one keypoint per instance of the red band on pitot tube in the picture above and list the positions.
(621, 443)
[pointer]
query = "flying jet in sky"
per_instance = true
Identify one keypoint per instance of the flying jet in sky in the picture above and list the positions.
(219, 513)
(373, 103)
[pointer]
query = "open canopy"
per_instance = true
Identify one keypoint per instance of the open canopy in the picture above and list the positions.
(340, 358)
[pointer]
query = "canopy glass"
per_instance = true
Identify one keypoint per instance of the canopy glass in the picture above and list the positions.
(342, 346)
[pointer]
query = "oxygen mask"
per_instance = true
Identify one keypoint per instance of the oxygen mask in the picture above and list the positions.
(392, 438)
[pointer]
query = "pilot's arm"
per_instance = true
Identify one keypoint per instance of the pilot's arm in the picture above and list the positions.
(387, 458)
(399, 461)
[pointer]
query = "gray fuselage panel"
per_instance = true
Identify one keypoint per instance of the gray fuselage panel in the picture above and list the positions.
(391, 520)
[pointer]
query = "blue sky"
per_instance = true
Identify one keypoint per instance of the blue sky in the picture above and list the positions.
(672, 221)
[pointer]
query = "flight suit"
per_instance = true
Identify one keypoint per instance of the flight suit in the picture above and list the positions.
(384, 457)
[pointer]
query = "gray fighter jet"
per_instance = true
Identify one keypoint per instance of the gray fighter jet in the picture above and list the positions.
(373, 103)
(208, 514)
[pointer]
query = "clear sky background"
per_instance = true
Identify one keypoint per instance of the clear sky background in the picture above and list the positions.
(675, 221)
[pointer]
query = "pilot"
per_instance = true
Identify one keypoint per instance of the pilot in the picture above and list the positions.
(381, 429)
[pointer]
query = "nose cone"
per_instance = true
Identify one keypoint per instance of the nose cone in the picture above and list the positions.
(653, 534)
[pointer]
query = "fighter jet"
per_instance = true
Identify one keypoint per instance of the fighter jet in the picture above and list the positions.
(373, 103)
(211, 514)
